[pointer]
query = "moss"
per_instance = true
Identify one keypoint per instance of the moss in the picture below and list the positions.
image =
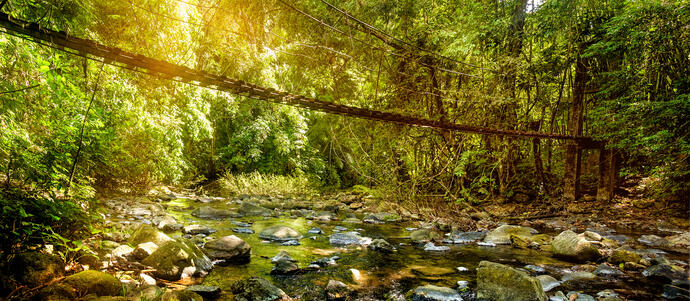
(95, 282)
(622, 255)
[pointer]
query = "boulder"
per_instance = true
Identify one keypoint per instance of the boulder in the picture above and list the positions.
(144, 250)
(252, 209)
(653, 241)
(337, 291)
(56, 292)
(605, 270)
(466, 237)
(184, 295)
(208, 212)
(423, 235)
(623, 255)
(198, 229)
(205, 291)
(501, 235)
(256, 289)
(348, 238)
(147, 233)
(680, 243)
(122, 252)
(95, 282)
(381, 245)
(279, 233)
(547, 282)
(430, 247)
(578, 276)
(282, 256)
(665, 273)
(171, 258)
(36, 268)
(575, 247)
(229, 249)
(500, 282)
(435, 293)
(284, 267)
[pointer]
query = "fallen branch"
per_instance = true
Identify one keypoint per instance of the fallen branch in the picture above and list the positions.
(19, 90)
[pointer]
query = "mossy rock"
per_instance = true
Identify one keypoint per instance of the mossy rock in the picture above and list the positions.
(520, 241)
(36, 268)
(502, 283)
(147, 233)
(256, 289)
(173, 257)
(623, 255)
(280, 233)
(571, 246)
(501, 235)
(56, 292)
(183, 295)
(423, 235)
(95, 282)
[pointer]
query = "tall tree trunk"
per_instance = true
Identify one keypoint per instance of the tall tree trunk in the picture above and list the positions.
(573, 152)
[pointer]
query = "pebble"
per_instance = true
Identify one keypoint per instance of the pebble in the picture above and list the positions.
(486, 244)
(462, 269)
(290, 243)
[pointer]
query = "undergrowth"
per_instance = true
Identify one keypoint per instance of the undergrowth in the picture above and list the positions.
(256, 183)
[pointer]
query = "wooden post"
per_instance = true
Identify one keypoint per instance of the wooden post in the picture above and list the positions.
(573, 150)
(571, 174)
(607, 174)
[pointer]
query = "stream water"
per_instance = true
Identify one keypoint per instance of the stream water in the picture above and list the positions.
(375, 275)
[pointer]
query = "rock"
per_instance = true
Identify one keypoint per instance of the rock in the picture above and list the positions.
(339, 229)
(352, 220)
(623, 255)
(519, 241)
(95, 282)
(208, 212)
(279, 233)
(388, 217)
(348, 238)
(559, 296)
(327, 261)
(605, 270)
(466, 237)
(171, 258)
(282, 256)
(535, 269)
(575, 296)
(315, 231)
(653, 241)
(229, 250)
(665, 273)
(205, 291)
(36, 268)
(56, 292)
(592, 236)
(252, 209)
(146, 280)
(147, 233)
(680, 243)
(122, 252)
(673, 292)
(501, 235)
(336, 290)
(243, 230)
(500, 282)
(183, 295)
(198, 229)
(165, 221)
(290, 243)
(462, 269)
(430, 247)
(372, 219)
(284, 267)
(423, 235)
(144, 250)
(547, 282)
(435, 293)
(578, 276)
(572, 246)
(463, 285)
(380, 245)
(256, 289)
(108, 244)
(486, 244)
(355, 206)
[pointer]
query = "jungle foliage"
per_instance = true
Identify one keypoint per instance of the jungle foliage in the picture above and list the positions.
(70, 126)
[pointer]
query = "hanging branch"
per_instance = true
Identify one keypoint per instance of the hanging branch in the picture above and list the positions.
(83, 125)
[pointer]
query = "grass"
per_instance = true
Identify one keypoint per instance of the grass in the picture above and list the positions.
(256, 183)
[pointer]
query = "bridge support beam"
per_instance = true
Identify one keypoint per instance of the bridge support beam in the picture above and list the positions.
(572, 171)
(607, 174)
